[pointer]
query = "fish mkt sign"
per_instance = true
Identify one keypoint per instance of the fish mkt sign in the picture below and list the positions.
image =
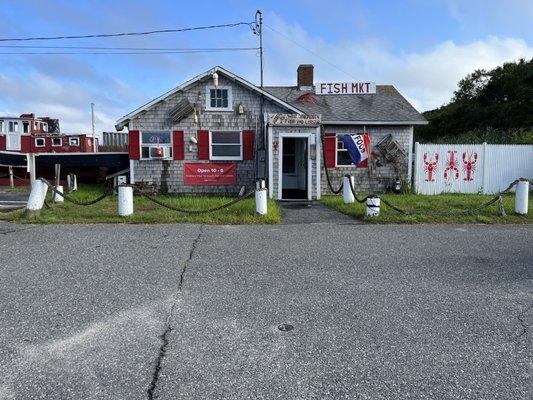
(346, 88)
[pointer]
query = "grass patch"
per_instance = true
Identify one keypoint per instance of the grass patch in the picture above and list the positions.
(146, 212)
(426, 209)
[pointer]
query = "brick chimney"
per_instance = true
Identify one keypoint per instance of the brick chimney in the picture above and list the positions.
(305, 76)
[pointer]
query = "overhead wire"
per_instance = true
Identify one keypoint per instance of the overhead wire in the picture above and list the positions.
(106, 35)
(310, 51)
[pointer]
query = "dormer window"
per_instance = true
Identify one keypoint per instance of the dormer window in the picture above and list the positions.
(219, 99)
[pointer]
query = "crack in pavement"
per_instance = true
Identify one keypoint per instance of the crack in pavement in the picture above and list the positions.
(523, 324)
(168, 327)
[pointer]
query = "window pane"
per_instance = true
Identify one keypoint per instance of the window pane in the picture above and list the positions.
(154, 137)
(213, 103)
(226, 150)
(343, 158)
(225, 137)
(225, 103)
(224, 94)
(145, 152)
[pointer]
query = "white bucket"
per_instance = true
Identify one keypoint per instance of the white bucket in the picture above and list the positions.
(521, 197)
(372, 206)
(125, 201)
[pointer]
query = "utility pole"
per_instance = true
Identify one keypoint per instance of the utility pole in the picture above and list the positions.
(261, 154)
(92, 116)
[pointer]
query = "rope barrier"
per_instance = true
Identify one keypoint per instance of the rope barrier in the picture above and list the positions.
(497, 197)
(108, 192)
(198, 211)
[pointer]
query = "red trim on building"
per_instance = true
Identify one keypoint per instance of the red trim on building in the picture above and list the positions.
(134, 147)
(330, 149)
(247, 145)
(178, 145)
(203, 145)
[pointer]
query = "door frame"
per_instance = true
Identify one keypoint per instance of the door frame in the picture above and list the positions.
(301, 135)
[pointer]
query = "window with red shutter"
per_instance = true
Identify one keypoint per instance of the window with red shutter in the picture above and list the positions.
(134, 146)
(178, 145)
(248, 145)
(330, 149)
(203, 145)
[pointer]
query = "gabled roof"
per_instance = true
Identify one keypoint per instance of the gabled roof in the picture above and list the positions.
(386, 107)
(125, 119)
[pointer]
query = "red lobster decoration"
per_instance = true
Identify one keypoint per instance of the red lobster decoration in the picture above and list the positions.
(430, 166)
(451, 165)
(469, 165)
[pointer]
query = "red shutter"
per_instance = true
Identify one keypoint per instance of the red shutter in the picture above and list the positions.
(203, 145)
(330, 149)
(2, 142)
(134, 146)
(247, 145)
(178, 145)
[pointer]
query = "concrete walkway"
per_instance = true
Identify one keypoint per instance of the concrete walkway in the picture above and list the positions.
(311, 212)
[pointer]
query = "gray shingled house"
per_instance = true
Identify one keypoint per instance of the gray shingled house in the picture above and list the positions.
(207, 136)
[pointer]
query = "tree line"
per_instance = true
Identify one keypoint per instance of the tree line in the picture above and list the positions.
(493, 106)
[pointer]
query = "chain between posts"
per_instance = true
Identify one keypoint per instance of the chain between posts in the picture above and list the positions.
(497, 197)
(108, 192)
(236, 200)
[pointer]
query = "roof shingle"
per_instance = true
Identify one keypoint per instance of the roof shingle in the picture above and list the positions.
(387, 105)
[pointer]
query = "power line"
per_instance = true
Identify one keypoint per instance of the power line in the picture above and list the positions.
(105, 35)
(112, 52)
(13, 46)
(310, 51)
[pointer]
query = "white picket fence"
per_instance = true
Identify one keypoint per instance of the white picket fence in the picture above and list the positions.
(470, 168)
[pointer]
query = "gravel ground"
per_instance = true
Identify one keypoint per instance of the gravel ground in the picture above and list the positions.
(190, 312)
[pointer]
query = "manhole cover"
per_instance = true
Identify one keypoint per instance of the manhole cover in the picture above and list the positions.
(285, 327)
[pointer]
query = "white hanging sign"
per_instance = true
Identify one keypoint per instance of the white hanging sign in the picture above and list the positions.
(346, 88)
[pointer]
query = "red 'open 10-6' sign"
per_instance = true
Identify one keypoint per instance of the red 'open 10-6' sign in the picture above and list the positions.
(210, 174)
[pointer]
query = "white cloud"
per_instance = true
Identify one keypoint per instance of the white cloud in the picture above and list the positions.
(427, 78)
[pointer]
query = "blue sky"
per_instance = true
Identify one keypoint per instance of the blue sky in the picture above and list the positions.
(422, 47)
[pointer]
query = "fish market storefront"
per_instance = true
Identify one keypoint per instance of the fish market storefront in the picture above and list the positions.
(218, 132)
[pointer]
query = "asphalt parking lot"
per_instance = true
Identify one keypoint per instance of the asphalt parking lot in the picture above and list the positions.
(192, 312)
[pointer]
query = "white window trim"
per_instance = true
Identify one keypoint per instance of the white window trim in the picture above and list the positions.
(224, 158)
(13, 122)
(57, 145)
(337, 165)
(40, 145)
(77, 139)
(171, 145)
(208, 99)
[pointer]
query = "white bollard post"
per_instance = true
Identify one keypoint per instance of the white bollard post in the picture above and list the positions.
(260, 198)
(372, 206)
(521, 197)
(125, 201)
(347, 195)
(37, 195)
(57, 197)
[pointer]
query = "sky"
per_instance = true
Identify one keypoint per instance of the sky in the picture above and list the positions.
(422, 47)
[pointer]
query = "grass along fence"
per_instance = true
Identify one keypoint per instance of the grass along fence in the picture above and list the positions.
(426, 209)
(146, 211)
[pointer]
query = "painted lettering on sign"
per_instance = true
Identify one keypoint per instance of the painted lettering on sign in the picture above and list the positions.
(346, 88)
(210, 174)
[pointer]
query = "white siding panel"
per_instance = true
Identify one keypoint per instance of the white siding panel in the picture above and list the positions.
(507, 163)
(492, 167)
(436, 173)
